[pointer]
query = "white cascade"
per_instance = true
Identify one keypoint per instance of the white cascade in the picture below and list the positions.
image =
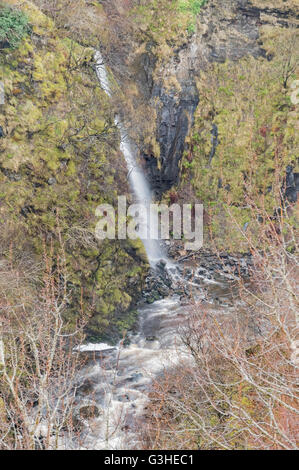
(138, 182)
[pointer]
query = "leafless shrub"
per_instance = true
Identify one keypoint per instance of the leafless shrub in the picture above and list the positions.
(239, 391)
(38, 367)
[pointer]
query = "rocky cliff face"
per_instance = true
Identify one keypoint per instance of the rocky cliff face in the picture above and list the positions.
(60, 159)
(225, 30)
(59, 150)
(174, 117)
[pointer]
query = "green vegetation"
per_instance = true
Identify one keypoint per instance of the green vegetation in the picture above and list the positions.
(249, 101)
(13, 26)
(59, 160)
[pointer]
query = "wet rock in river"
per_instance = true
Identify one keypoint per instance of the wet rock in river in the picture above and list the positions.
(86, 387)
(89, 412)
(135, 377)
(161, 264)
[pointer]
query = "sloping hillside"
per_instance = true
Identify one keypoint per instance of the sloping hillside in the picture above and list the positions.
(59, 159)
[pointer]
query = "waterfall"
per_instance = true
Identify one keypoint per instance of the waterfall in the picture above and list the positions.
(138, 182)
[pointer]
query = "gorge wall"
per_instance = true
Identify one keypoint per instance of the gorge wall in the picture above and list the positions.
(180, 72)
(165, 63)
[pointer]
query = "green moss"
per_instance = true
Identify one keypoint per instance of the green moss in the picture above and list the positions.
(13, 26)
(168, 21)
(127, 322)
(58, 161)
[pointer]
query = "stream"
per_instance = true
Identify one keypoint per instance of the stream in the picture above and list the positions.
(116, 380)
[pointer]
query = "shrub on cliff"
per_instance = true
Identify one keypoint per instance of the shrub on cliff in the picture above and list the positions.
(13, 26)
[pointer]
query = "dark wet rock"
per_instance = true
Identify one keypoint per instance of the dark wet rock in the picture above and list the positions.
(84, 413)
(290, 180)
(290, 187)
(161, 264)
(291, 195)
(135, 377)
(1, 132)
(158, 284)
(123, 398)
(150, 299)
(87, 386)
(214, 142)
(151, 338)
(189, 274)
(26, 210)
(11, 175)
(174, 117)
(146, 65)
(14, 177)
(201, 272)
(207, 265)
(89, 411)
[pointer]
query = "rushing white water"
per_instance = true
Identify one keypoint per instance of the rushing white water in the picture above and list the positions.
(117, 379)
(138, 182)
(122, 377)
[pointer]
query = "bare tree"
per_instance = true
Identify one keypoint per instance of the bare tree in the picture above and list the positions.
(239, 388)
(38, 367)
